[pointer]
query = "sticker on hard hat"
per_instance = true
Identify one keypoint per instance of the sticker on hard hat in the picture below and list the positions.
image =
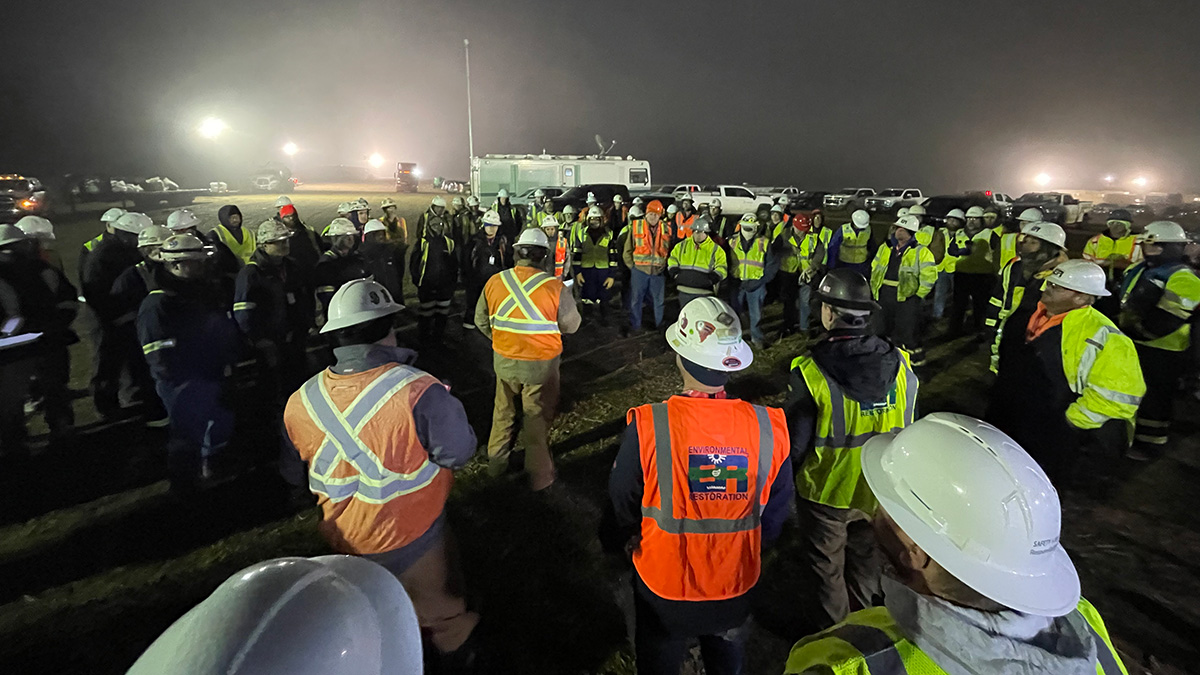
(732, 362)
(705, 329)
(1044, 546)
(374, 298)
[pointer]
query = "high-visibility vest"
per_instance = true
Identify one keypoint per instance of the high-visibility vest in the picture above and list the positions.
(796, 256)
(683, 226)
(449, 243)
(1179, 297)
(650, 250)
(562, 255)
(375, 483)
(704, 258)
(1102, 247)
(1012, 294)
(959, 239)
(854, 245)
(917, 274)
(243, 249)
(397, 230)
(523, 312)
(826, 235)
(708, 467)
(752, 264)
(1008, 245)
(869, 642)
(831, 473)
(1101, 367)
(595, 254)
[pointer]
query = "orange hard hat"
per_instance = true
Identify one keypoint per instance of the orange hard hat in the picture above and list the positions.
(801, 222)
(655, 207)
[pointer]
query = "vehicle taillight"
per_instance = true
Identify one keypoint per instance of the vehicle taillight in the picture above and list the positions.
(987, 193)
(28, 203)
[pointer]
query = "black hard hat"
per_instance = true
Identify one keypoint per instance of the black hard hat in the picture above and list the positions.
(847, 289)
(1120, 214)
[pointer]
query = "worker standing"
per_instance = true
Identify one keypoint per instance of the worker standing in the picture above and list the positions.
(129, 291)
(903, 274)
(489, 253)
(1042, 247)
(645, 254)
(850, 245)
(525, 312)
(1068, 378)
(377, 441)
(625, 273)
(685, 218)
(40, 233)
(1008, 230)
(339, 265)
(978, 582)
(978, 256)
(539, 208)
(800, 253)
(1159, 297)
(1115, 250)
(753, 265)
(594, 261)
(383, 258)
(434, 267)
(558, 260)
(305, 248)
(933, 238)
(437, 209)
(697, 264)
(847, 388)
(511, 221)
(108, 218)
(723, 225)
(239, 240)
(701, 485)
(618, 215)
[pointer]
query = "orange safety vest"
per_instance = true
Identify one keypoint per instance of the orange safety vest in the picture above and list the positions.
(684, 225)
(560, 256)
(708, 466)
(650, 251)
(374, 481)
(523, 312)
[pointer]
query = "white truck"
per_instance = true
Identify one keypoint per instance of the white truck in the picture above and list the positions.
(892, 199)
(848, 198)
(1056, 207)
(735, 199)
(518, 173)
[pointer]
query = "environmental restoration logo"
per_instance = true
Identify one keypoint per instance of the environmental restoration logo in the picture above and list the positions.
(718, 473)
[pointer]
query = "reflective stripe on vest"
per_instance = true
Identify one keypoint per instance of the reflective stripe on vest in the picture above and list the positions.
(878, 649)
(751, 264)
(1109, 662)
(1008, 246)
(854, 244)
(374, 483)
(519, 294)
(646, 251)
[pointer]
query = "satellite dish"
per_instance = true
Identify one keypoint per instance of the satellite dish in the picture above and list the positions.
(600, 143)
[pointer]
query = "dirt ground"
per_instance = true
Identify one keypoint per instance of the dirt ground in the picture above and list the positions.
(95, 561)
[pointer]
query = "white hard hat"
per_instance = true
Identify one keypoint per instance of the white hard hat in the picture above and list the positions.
(340, 227)
(183, 219)
(533, 236)
(548, 221)
(502, 194)
(271, 231)
(1080, 275)
(133, 222)
(672, 209)
(1163, 232)
(332, 615)
(860, 218)
(361, 204)
(374, 225)
(359, 301)
(438, 200)
(916, 210)
(1031, 216)
(595, 212)
(387, 201)
(909, 222)
(617, 198)
(979, 505)
(186, 246)
(975, 212)
(539, 193)
(457, 202)
(716, 203)
(704, 225)
(901, 212)
(569, 209)
(686, 197)
(283, 200)
(10, 234)
(154, 235)
(1048, 232)
(491, 217)
(36, 227)
(954, 213)
(472, 201)
(709, 334)
(591, 198)
(638, 201)
(778, 208)
(345, 208)
(111, 215)
(636, 211)
(748, 218)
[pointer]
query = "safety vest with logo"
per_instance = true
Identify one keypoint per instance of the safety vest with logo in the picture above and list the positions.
(523, 312)
(1102, 247)
(1102, 368)
(796, 256)
(1178, 290)
(683, 225)
(707, 466)
(752, 264)
(917, 275)
(831, 473)
(241, 249)
(650, 250)
(374, 481)
(869, 642)
(854, 245)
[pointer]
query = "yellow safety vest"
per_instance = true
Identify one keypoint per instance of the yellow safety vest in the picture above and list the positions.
(1008, 245)
(825, 235)
(1006, 303)
(752, 264)
(917, 275)
(959, 238)
(1180, 297)
(425, 255)
(243, 249)
(595, 254)
(1101, 366)
(1102, 247)
(706, 258)
(869, 642)
(832, 474)
(854, 244)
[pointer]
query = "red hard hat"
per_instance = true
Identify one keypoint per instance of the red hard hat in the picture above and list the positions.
(801, 222)
(655, 207)
(287, 210)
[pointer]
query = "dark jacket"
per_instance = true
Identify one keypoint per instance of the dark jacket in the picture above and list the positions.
(134, 284)
(433, 263)
(272, 301)
(107, 260)
(187, 333)
(305, 248)
(486, 257)
(334, 270)
(45, 298)
(385, 262)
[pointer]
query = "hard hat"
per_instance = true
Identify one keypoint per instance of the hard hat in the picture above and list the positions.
(438, 200)
(617, 198)
(901, 212)
(979, 505)
(271, 231)
(333, 615)
(1082, 276)
(847, 289)
(186, 246)
(387, 201)
(801, 222)
(778, 208)
(570, 210)
(709, 334)
(183, 219)
(472, 201)
(373, 225)
(1163, 232)
(133, 222)
(111, 215)
(345, 208)
(340, 227)
(954, 213)
(359, 301)
(1031, 216)
(686, 197)
(975, 212)
(909, 222)
(591, 198)
(702, 224)
(283, 200)
(638, 201)
(655, 206)
(1047, 232)
(672, 210)
(10, 234)
(289, 210)
(457, 202)
(916, 210)
(538, 193)
(716, 203)
(636, 211)
(748, 218)
(595, 212)
(502, 194)
(549, 221)
(491, 217)
(533, 236)
(860, 218)
(361, 204)
(36, 227)
(1120, 214)
(154, 235)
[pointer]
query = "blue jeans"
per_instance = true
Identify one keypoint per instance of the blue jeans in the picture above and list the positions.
(753, 300)
(805, 302)
(942, 291)
(643, 285)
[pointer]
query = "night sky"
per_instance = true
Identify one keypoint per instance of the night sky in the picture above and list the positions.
(939, 95)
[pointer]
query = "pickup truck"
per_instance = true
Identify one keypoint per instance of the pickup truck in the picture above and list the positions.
(892, 199)
(21, 196)
(848, 198)
(735, 199)
(1056, 207)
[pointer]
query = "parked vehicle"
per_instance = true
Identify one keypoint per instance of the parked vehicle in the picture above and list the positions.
(892, 199)
(937, 207)
(577, 196)
(273, 178)
(518, 173)
(408, 176)
(735, 199)
(848, 198)
(810, 203)
(1056, 207)
(21, 196)
(1102, 210)
(525, 197)
(1140, 211)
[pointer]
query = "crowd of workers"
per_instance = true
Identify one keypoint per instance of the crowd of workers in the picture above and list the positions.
(910, 519)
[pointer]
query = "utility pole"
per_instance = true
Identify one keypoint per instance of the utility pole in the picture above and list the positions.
(470, 131)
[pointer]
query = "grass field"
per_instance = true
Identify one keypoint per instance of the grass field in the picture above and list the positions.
(95, 562)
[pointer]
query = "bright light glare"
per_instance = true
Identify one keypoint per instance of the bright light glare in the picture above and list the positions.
(1140, 181)
(1109, 179)
(290, 149)
(417, 173)
(212, 127)
(375, 160)
(1042, 179)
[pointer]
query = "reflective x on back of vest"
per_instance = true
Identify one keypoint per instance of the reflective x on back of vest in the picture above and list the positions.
(530, 321)
(831, 473)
